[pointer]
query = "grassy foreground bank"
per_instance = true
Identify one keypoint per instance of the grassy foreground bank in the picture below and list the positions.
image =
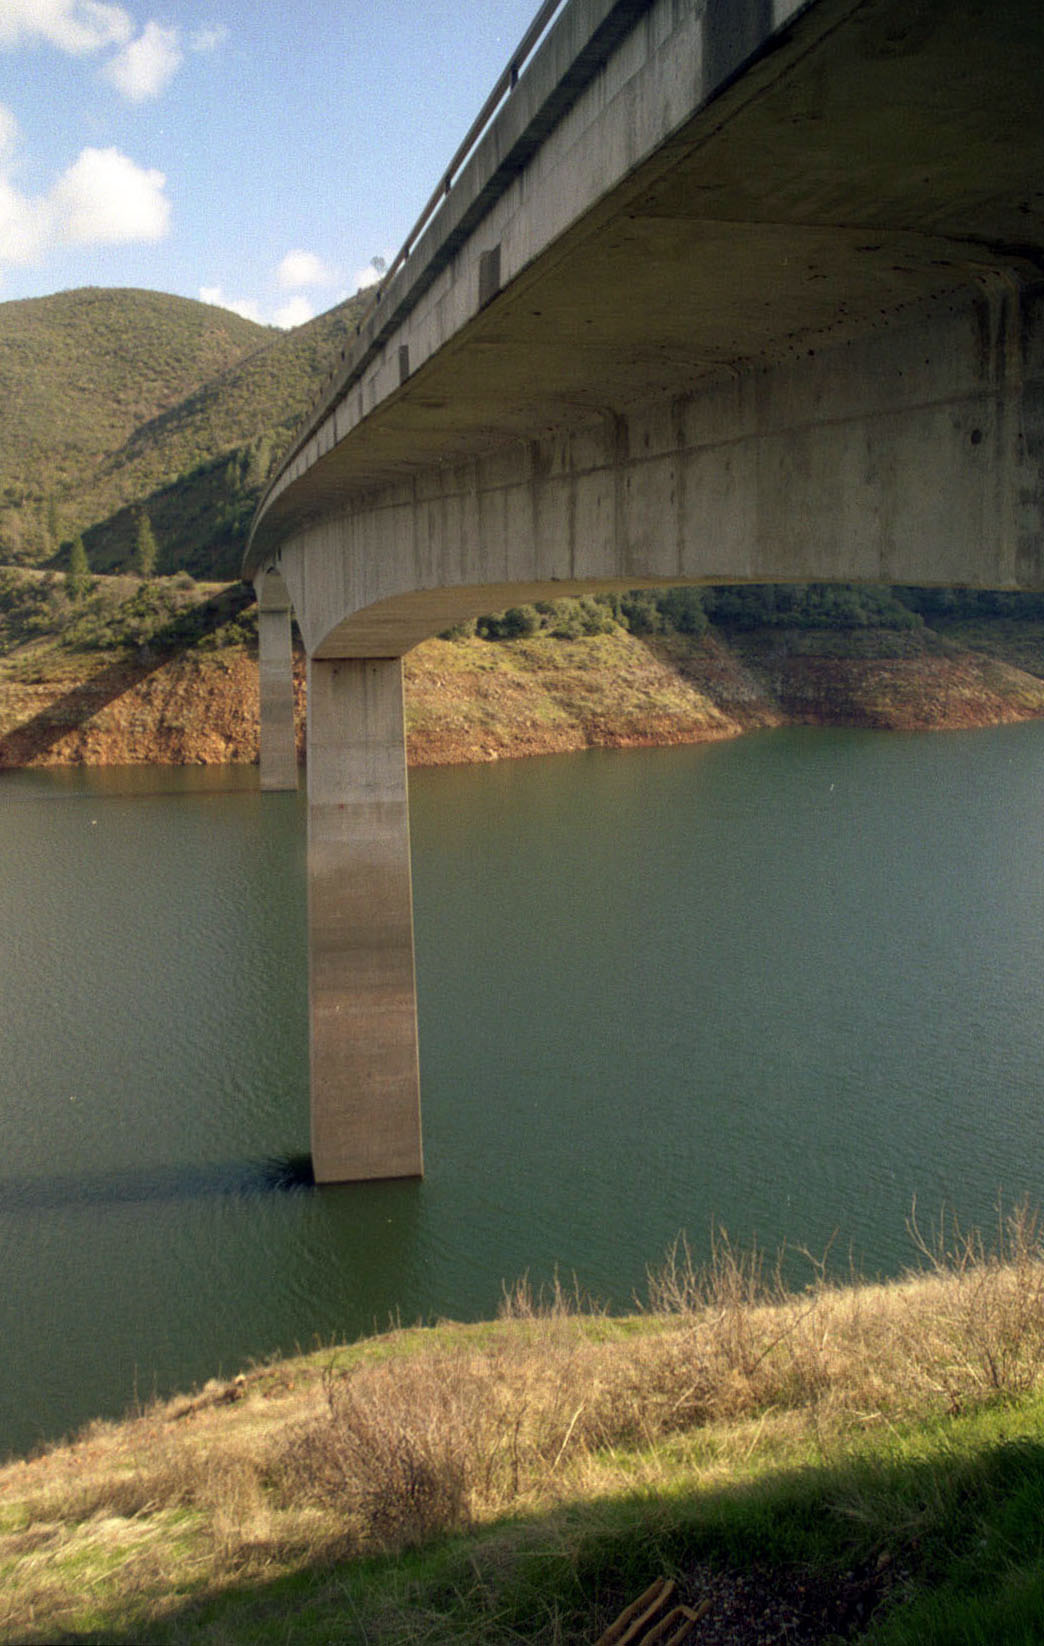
(844, 1462)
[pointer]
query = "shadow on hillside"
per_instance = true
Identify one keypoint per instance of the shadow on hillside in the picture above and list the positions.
(807, 1555)
(65, 714)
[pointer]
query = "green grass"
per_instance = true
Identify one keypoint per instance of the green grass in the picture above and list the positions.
(951, 1512)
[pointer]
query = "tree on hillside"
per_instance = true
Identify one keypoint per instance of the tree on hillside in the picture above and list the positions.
(145, 549)
(78, 575)
(259, 460)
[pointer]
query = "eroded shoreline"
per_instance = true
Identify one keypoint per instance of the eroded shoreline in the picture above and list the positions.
(472, 700)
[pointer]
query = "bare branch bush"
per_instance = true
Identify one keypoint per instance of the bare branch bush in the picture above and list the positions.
(985, 1339)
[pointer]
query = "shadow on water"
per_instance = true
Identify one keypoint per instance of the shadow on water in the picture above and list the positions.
(147, 1185)
(289, 1171)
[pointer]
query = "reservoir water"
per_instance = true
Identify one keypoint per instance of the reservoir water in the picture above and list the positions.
(788, 983)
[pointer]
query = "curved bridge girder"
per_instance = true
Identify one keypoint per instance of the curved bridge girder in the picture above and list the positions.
(909, 456)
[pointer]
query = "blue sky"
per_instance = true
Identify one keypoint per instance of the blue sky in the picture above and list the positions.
(253, 152)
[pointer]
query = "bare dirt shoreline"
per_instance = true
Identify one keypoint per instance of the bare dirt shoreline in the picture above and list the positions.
(473, 700)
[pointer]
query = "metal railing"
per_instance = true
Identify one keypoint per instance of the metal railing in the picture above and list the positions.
(504, 86)
(507, 82)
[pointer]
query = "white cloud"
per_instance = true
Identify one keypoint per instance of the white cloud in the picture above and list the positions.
(146, 65)
(105, 199)
(76, 26)
(303, 268)
(208, 39)
(373, 272)
(245, 306)
(294, 313)
(8, 135)
(23, 226)
(22, 221)
(143, 63)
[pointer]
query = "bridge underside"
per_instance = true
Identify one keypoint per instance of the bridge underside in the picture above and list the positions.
(913, 455)
(802, 339)
(872, 182)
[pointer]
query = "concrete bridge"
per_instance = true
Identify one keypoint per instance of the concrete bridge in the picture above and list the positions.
(725, 290)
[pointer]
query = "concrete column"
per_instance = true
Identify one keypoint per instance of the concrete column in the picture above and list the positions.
(363, 997)
(276, 670)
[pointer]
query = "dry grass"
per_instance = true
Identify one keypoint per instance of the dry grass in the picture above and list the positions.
(386, 1445)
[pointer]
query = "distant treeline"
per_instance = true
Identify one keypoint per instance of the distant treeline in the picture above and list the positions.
(745, 606)
(87, 613)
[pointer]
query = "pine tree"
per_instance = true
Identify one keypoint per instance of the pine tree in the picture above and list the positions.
(145, 549)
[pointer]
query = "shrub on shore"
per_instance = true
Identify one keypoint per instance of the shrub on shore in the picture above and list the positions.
(119, 614)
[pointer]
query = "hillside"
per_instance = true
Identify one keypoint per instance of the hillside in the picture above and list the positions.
(79, 373)
(165, 672)
(113, 400)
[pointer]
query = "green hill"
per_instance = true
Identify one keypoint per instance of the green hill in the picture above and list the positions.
(114, 400)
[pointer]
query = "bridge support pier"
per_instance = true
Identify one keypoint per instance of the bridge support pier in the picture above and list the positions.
(363, 1000)
(276, 676)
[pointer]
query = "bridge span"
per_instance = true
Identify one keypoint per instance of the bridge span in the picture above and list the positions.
(724, 290)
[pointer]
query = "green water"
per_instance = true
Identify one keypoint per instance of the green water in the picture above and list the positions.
(787, 982)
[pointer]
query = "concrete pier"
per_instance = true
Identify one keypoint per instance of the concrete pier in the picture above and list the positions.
(278, 739)
(363, 1000)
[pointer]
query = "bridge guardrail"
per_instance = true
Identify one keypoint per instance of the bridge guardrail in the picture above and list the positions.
(507, 83)
(608, 22)
(504, 85)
